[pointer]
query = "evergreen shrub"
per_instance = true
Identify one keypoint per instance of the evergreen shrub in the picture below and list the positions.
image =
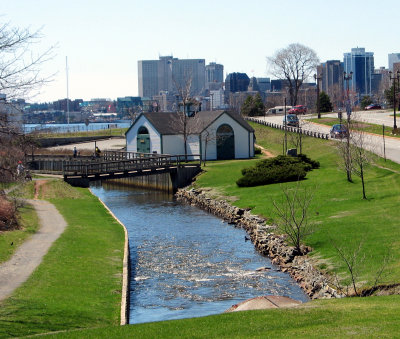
(275, 170)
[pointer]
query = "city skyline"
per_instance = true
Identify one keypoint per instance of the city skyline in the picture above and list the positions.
(104, 42)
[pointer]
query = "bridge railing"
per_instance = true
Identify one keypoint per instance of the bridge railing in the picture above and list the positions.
(146, 162)
(125, 155)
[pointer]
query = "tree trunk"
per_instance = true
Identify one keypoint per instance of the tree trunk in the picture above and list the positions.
(362, 181)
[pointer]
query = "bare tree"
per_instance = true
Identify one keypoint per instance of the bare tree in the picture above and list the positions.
(208, 136)
(360, 156)
(335, 92)
(353, 260)
(184, 92)
(20, 67)
(13, 143)
(19, 76)
(354, 151)
(293, 214)
(294, 63)
(344, 151)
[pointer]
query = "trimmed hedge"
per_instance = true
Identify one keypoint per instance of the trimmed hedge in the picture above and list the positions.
(275, 170)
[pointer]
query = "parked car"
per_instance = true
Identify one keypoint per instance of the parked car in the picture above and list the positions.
(298, 109)
(373, 106)
(292, 120)
(338, 131)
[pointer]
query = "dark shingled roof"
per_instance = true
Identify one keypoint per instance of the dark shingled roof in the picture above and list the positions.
(172, 123)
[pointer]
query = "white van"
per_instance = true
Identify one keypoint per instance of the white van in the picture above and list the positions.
(278, 110)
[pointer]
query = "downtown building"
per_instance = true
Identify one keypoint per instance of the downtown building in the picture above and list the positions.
(169, 74)
(361, 63)
(214, 76)
(393, 58)
(331, 74)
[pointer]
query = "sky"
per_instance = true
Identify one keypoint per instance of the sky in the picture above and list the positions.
(104, 40)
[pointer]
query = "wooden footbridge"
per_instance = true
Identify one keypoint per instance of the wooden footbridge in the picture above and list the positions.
(119, 164)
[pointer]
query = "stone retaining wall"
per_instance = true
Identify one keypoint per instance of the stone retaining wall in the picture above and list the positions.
(266, 242)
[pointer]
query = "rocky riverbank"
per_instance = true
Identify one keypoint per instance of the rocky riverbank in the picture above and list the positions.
(266, 242)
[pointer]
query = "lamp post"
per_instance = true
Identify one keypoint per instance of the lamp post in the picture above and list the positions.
(394, 95)
(347, 78)
(317, 79)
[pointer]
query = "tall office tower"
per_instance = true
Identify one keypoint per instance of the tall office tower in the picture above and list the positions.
(148, 78)
(236, 82)
(169, 74)
(264, 84)
(193, 70)
(332, 75)
(393, 58)
(214, 76)
(361, 63)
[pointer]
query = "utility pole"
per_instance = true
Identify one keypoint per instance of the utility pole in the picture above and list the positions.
(318, 78)
(285, 147)
(347, 78)
(66, 69)
(394, 78)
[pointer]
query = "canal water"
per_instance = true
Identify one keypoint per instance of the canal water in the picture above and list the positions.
(185, 262)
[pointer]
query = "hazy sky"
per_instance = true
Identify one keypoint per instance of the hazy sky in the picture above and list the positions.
(104, 39)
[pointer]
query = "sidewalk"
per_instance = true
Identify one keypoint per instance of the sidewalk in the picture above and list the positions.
(29, 255)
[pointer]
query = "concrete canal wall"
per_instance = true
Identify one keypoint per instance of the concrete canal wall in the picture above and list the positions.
(266, 242)
(169, 181)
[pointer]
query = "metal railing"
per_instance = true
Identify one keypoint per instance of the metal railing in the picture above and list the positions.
(301, 130)
(127, 162)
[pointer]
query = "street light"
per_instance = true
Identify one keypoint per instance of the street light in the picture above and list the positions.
(347, 78)
(394, 95)
(318, 108)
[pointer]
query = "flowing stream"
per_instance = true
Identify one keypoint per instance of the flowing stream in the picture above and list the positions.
(185, 262)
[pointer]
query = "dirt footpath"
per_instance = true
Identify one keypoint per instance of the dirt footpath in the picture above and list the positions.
(29, 255)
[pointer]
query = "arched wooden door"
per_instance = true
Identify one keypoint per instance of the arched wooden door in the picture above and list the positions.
(143, 140)
(225, 142)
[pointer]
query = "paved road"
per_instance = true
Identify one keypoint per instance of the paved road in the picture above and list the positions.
(109, 144)
(29, 255)
(374, 143)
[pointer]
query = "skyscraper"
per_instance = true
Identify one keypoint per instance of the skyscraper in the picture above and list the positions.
(237, 82)
(361, 63)
(169, 74)
(393, 58)
(332, 75)
(264, 84)
(214, 72)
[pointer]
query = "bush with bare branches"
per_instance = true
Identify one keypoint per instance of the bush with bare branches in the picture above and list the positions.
(8, 214)
(293, 213)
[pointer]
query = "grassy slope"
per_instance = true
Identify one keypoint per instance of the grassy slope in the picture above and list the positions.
(344, 215)
(78, 283)
(29, 224)
(353, 317)
(337, 206)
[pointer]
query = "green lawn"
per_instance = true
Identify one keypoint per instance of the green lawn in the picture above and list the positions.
(99, 132)
(338, 209)
(375, 317)
(74, 288)
(78, 284)
(9, 241)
